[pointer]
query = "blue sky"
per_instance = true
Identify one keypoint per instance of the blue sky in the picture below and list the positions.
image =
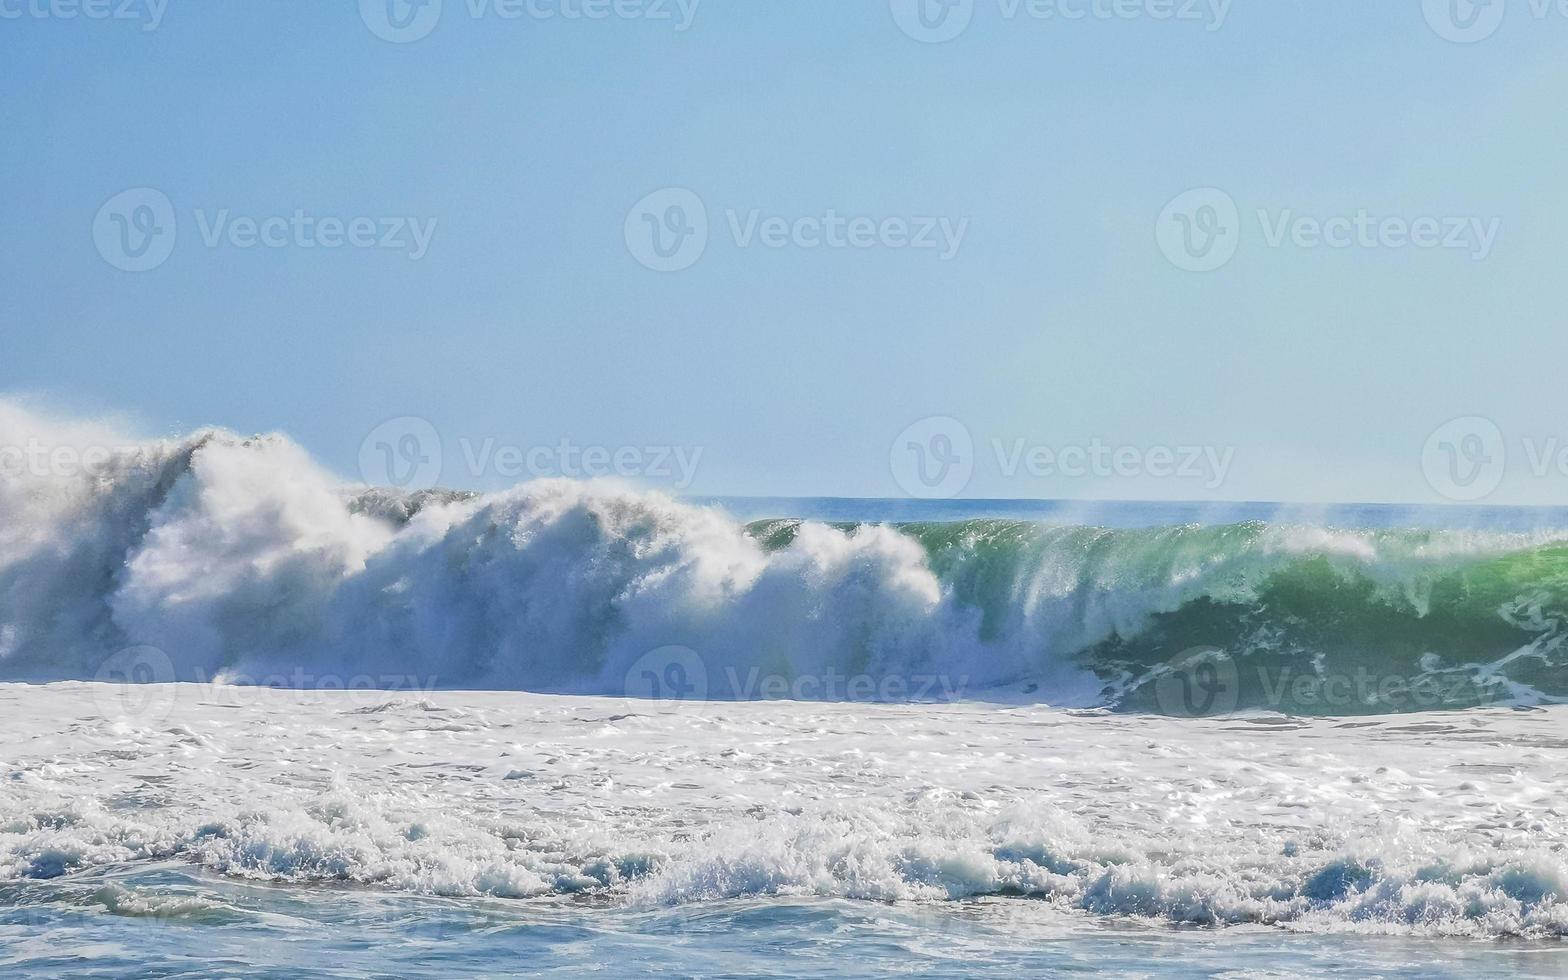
(522, 146)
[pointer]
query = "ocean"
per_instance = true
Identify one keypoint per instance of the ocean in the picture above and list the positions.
(262, 722)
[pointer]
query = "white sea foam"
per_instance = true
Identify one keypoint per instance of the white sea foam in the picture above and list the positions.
(1449, 825)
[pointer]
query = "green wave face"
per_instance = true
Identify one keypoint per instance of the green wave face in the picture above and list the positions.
(1319, 639)
(1297, 619)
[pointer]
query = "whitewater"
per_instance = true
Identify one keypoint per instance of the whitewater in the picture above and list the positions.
(186, 827)
(222, 558)
(255, 712)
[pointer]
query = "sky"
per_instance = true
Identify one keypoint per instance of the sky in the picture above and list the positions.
(1115, 249)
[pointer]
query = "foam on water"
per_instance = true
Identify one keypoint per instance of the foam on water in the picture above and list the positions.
(1447, 827)
(246, 810)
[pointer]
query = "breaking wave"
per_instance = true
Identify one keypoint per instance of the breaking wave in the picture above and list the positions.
(240, 559)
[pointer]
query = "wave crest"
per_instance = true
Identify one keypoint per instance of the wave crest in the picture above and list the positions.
(239, 557)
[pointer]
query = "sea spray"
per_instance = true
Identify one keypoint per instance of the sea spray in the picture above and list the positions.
(240, 558)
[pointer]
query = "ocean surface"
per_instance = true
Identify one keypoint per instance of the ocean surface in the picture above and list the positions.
(261, 721)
